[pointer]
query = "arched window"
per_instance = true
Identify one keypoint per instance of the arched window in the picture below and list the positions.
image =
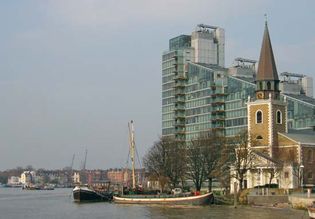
(259, 116)
(279, 117)
(260, 86)
(259, 137)
(268, 85)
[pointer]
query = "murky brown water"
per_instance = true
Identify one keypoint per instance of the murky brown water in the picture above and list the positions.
(57, 204)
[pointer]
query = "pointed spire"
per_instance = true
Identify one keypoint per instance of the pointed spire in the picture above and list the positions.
(266, 67)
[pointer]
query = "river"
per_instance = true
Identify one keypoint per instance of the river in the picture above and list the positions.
(16, 203)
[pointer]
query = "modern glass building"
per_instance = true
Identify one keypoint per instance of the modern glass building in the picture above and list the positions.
(202, 97)
(206, 44)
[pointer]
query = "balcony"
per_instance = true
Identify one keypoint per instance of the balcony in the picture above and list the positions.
(180, 123)
(179, 92)
(179, 84)
(179, 108)
(218, 112)
(217, 103)
(179, 115)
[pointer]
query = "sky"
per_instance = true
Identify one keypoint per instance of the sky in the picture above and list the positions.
(73, 73)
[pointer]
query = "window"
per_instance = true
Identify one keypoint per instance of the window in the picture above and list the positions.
(286, 175)
(309, 155)
(268, 85)
(279, 117)
(260, 86)
(310, 175)
(259, 137)
(259, 116)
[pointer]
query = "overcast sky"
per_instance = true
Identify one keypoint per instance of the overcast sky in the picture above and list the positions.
(74, 72)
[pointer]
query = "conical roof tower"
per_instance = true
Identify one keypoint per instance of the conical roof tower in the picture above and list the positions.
(267, 80)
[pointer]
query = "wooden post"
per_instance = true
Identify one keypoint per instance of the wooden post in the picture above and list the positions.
(235, 194)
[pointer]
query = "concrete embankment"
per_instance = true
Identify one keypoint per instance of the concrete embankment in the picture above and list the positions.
(267, 199)
(301, 202)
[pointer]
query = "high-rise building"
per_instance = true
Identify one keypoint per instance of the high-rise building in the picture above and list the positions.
(200, 95)
(205, 45)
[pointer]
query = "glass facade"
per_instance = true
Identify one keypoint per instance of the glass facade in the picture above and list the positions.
(208, 99)
(301, 111)
(173, 87)
(180, 42)
(237, 91)
(204, 100)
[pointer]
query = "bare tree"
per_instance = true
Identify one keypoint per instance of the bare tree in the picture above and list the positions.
(242, 157)
(213, 156)
(175, 160)
(166, 161)
(196, 162)
(273, 171)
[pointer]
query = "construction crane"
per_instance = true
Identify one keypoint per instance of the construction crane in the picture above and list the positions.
(84, 162)
(72, 161)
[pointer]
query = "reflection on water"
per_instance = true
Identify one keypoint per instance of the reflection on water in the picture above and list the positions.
(17, 203)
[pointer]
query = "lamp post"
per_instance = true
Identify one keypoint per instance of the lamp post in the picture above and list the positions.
(301, 175)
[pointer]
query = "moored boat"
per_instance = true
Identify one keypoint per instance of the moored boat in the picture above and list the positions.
(157, 199)
(86, 194)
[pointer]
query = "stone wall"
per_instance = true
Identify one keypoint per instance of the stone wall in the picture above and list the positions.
(301, 202)
(267, 199)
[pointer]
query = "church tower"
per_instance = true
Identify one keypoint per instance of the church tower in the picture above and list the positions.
(267, 113)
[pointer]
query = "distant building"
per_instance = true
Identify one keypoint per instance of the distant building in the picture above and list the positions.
(14, 181)
(123, 176)
(96, 177)
(28, 177)
(76, 177)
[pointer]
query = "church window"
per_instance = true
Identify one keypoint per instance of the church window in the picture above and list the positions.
(279, 117)
(259, 116)
(268, 85)
(310, 175)
(309, 156)
(260, 86)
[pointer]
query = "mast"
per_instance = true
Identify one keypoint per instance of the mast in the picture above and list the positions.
(132, 152)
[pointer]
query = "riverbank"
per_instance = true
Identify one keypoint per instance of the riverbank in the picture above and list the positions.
(58, 204)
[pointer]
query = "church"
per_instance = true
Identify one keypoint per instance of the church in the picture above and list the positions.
(281, 156)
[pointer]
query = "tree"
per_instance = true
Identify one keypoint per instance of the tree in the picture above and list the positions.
(273, 171)
(166, 161)
(175, 161)
(196, 162)
(213, 156)
(242, 157)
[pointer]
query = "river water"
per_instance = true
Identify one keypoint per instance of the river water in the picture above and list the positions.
(16, 203)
